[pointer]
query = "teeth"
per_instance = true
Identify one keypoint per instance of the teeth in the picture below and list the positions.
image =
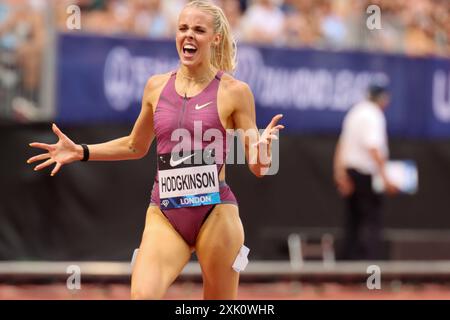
(189, 47)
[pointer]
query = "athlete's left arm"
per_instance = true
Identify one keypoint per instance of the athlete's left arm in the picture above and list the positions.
(258, 147)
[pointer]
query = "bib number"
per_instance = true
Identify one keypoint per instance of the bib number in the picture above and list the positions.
(188, 180)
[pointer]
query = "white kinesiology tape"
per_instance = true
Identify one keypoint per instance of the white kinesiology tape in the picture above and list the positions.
(241, 260)
(133, 259)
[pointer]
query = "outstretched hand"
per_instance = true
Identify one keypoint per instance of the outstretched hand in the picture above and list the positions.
(270, 133)
(63, 152)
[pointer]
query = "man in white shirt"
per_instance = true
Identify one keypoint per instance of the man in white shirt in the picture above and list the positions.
(361, 153)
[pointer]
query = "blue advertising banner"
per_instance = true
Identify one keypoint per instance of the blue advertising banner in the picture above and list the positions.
(101, 79)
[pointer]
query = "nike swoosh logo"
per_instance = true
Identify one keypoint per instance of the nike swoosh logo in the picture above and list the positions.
(174, 163)
(197, 107)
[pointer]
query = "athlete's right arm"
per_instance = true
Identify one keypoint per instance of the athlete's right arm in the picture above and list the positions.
(133, 146)
(137, 143)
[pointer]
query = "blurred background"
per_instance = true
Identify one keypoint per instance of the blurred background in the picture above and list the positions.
(310, 60)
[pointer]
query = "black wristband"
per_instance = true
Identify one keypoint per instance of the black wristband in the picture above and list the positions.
(85, 152)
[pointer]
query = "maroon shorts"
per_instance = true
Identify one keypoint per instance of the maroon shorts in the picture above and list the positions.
(188, 221)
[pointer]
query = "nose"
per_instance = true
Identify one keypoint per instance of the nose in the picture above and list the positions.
(190, 34)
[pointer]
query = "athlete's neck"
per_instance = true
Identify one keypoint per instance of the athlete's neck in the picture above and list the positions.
(199, 75)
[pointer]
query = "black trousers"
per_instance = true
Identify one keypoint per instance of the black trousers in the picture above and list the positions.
(362, 237)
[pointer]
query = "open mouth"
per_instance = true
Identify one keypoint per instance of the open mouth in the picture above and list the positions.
(189, 50)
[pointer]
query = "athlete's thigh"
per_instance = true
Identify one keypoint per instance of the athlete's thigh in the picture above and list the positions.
(217, 246)
(162, 255)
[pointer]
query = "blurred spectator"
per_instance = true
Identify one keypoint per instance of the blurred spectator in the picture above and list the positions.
(233, 11)
(441, 20)
(390, 37)
(172, 9)
(263, 22)
(302, 24)
(419, 39)
(22, 39)
(332, 26)
(148, 19)
(422, 29)
(419, 29)
(107, 17)
(419, 35)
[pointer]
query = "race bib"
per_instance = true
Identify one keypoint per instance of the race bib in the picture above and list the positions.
(188, 180)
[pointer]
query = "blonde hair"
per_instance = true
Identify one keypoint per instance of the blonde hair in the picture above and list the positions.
(223, 56)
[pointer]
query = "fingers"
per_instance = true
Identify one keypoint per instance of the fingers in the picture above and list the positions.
(274, 130)
(271, 131)
(58, 132)
(39, 157)
(56, 169)
(267, 140)
(271, 134)
(44, 164)
(47, 156)
(278, 127)
(39, 145)
(46, 146)
(275, 120)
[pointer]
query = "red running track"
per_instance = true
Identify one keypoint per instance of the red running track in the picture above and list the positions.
(247, 291)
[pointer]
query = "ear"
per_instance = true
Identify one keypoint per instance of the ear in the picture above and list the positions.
(217, 39)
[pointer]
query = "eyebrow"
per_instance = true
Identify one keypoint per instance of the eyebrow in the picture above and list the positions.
(196, 26)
